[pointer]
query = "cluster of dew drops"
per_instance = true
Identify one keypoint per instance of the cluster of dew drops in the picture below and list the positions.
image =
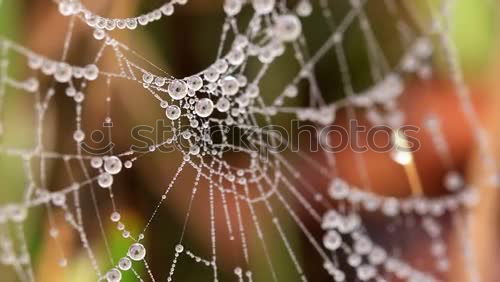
(220, 87)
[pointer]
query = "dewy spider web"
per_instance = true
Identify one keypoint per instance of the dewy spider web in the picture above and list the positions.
(259, 199)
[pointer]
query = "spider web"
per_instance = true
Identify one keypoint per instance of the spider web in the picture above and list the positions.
(246, 208)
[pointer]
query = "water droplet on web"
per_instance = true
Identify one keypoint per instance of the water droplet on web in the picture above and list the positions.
(99, 34)
(128, 164)
(263, 7)
(179, 248)
(177, 89)
(115, 217)
(63, 73)
(453, 181)
(48, 67)
(131, 23)
(229, 85)
(222, 105)
(252, 91)
(167, 9)
(194, 150)
(332, 240)
(304, 8)
(238, 271)
(354, 260)
(194, 82)
(331, 220)
(366, 272)
(78, 135)
(287, 27)
(114, 275)
(236, 57)
(112, 165)
(291, 91)
(58, 199)
(105, 180)
(96, 162)
(90, 72)
(136, 251)
(31, 84)
(232, 7)
(124, 263)
(204, 107)
(211, 74)
(173, 112)
(159, 81)
(147, 78)
(79, 97)
(35, 61)
(221, 66)
(339, 189)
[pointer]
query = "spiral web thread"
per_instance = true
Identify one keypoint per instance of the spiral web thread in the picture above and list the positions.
(269, 192)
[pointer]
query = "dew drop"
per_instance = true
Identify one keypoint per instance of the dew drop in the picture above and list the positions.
(287, 27)
(147, 78)
(304, 8)
(263, 7)
(453, 181)
(105, 180)
(167, 9)
(115, 216)
(211, 74)
(179, 248)
(204, 107)
(63, 73)
(112, 165)
(96, 162)
(90, 72)
(291, 91)
(48, 67)
(236, 57)
(114, 275)
(232, 7)
(128, 164)
(222, 105)
(131, 23)
(35, 61)
(136, 251)
(229, 86)
(194, 82)
(124, 263)
(221, 66)
(159, 81)
(79, 97)
(339, 189)
(252, 91)
(177, 89)
(31, 84)
(194, 150)
(78, 135)
(173, 112)
(332, 240)
(58, 199)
